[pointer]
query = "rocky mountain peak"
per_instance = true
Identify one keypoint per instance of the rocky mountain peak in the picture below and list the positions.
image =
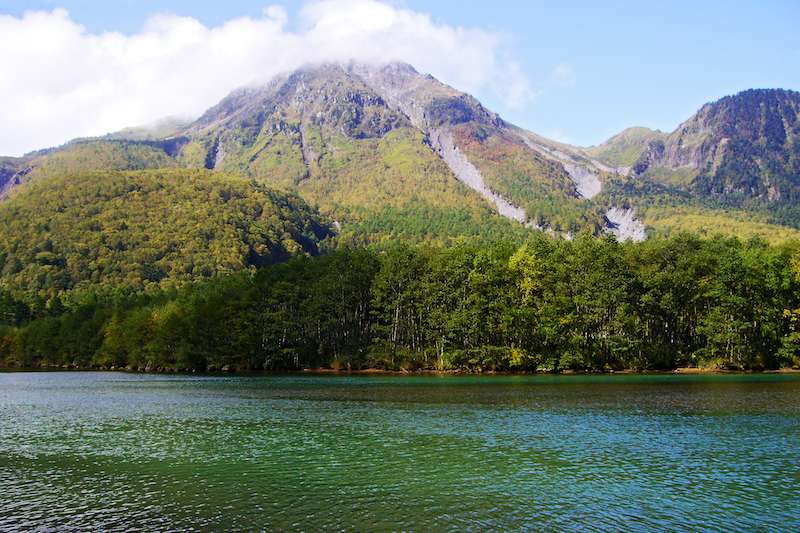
(325, 95)
(746, 144)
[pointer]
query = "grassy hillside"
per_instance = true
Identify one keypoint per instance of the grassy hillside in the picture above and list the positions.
(79, 156)
(623, 149)
(741, 147)
(354, 178)
(539, 185)
(133, 230)
(707, 222)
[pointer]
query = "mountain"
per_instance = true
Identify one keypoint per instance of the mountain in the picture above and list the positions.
(323, 133)
(733, 164)
(746, 145)
(625, 148)
(387, 152)
(374, 144)
(384, 150)
(136, 229)
(358, 140)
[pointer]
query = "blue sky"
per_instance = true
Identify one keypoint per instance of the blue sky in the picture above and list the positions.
(594, 67)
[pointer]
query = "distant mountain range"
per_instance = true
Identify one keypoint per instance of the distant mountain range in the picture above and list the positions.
(386, 152)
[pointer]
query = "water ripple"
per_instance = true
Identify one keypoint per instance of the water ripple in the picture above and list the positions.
(119, 452)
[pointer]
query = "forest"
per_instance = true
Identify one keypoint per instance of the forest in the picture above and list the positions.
(590, 304)
(133, 230)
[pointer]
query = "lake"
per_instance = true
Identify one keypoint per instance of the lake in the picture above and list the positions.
(117, 451)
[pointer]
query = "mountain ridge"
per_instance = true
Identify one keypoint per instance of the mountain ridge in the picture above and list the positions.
(289, 126)
(735, 145)
(357, 139)
(141, 230)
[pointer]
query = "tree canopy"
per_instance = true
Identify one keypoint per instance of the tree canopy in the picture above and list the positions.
(549, 304)
(135, 231)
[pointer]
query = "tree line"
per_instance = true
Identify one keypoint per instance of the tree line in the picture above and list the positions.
(549, 305)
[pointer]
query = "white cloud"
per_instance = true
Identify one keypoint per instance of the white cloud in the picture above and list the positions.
(61, 81)
(513, 84)
(563, 76)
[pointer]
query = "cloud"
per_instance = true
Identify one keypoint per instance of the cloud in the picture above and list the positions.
(514, 86)
(61, 81)
(563, 76)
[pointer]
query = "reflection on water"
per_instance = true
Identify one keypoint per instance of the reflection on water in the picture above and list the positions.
(119, 451)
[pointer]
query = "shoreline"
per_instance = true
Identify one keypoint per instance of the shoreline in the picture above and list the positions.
(687, 371)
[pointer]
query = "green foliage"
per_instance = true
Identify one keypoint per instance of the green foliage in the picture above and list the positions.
(589, 304)
(678, 178)
(12, 311)
(135, 231)
(418, 221)
(625, 148)
(708, 222)
(193, 155)
(82, 156)
(740, 152)
(541, 186)
(278, 158)
(667, 209)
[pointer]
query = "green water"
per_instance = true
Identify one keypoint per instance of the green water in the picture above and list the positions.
(113, 451)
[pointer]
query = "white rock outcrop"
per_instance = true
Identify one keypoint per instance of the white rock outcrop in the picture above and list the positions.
(624, 224)
(442, 141)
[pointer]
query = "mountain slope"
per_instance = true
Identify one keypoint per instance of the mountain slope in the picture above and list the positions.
(325, 134)
(495, 158)
(740, 152)
(625, 148)
(133, 230)
(383, 150)
(388, 152)
(747, 144)
(82, 155)
(355, 139)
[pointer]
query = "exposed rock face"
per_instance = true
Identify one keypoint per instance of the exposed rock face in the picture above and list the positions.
(584, 173)
(747, 144)
(652, 156)
(623, 224)
(407, 90)
(435, 109)
(442, 142)
(6, 184)
(216, 156)
(12, 170)
(326, 96)
(586, 181)
(5, 181)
